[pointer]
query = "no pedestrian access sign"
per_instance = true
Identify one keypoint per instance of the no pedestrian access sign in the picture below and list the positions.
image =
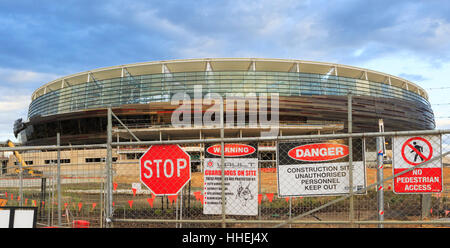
(409, 152)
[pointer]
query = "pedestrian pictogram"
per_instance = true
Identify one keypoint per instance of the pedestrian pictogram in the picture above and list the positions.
(417, 150)
(413, 152)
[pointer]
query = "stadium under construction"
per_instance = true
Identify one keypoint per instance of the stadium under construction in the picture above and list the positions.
(311, 99)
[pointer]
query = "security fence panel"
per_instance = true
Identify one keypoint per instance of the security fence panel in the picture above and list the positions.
(284, 181)
(66, 185)
(406, 209)
(28, 181)
(158, 185)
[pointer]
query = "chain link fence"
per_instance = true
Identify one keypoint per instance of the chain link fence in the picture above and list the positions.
(67, 185)
(296, 193)
(299, 181)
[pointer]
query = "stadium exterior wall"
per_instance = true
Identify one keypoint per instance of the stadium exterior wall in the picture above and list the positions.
(310, 93)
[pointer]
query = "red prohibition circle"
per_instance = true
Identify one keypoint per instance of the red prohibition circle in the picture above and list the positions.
(421, 139)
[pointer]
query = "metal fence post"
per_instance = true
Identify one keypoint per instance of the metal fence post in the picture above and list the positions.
(177, 202)
(426, 205)
(290, 211)
(380, 190)
(181, 208)
(259, 185)
(109, 184)
(350, 158)
(222, 161)
(58, 176)
(20, 182)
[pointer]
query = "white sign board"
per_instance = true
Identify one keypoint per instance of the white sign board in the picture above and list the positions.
(18, 217)
(4, 218)
(23, 218)
(241, 185)
(319, 179)
(318, 169)
(412, 151)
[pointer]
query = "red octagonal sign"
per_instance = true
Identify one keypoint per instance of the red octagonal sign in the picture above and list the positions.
(165, 169)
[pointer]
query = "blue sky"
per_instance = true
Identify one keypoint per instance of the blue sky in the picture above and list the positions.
(43, 40)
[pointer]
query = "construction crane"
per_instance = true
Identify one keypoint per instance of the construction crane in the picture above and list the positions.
(24, 165)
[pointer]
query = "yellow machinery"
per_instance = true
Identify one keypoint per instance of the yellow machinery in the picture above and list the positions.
(24, 165)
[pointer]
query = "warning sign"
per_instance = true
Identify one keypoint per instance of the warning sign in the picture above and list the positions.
(318, 168)
(412, 151)
(241, 179)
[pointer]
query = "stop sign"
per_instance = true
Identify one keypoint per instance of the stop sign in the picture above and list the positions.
(165, 169)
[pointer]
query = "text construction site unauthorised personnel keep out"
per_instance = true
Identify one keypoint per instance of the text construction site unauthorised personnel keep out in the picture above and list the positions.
(318, 168)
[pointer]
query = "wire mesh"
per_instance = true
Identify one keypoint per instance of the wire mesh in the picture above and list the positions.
(81, 179)
(277, 182)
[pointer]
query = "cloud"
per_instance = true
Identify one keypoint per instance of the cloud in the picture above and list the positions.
(81, 35)
(443, 123)
(12, 107)
(16, 88)
(15, 76)
(13, 103)
(41, 41)
(412, 77)
(369, 29)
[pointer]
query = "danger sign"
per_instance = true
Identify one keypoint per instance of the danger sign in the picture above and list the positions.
(318, 168)
(318, 152)
(413, 151)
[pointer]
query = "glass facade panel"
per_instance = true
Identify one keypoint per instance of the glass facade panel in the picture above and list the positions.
(160, 87)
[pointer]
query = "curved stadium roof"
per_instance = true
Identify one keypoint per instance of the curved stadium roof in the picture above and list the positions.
(228, 64)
